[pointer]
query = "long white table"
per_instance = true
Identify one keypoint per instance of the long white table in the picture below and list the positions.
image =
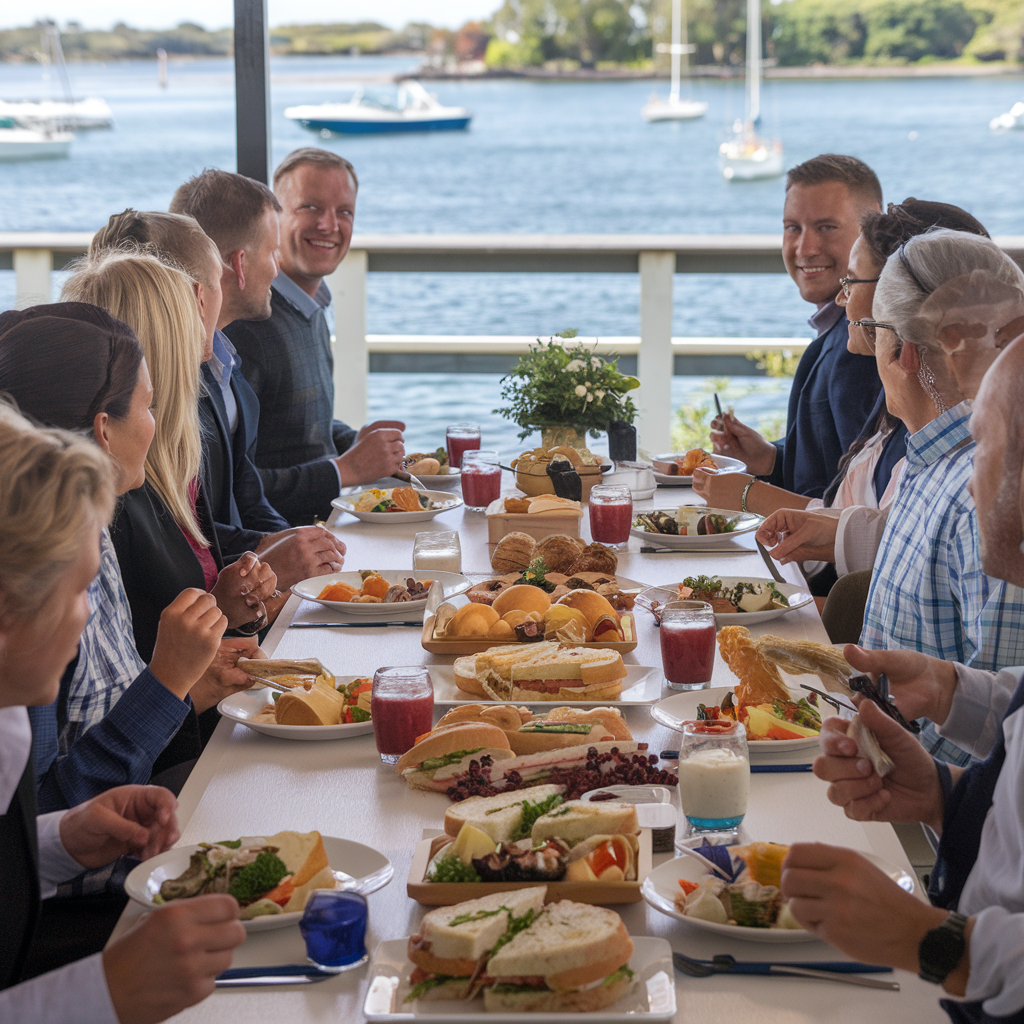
(250, 784)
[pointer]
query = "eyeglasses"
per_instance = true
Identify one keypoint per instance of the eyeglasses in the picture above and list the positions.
(845, 282)
(870, 328)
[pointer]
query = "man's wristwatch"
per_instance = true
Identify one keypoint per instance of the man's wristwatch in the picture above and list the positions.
(942, 949)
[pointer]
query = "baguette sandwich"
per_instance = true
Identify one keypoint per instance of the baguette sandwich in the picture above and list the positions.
(441, 754)
(501, 816)
(452, 946)
(577, 820)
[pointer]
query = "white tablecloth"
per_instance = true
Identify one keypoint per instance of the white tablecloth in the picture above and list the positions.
(247, 784)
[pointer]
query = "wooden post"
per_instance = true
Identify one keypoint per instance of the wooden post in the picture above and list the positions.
(252, 89)
(654, 360)
(351, 357)
(32, 276)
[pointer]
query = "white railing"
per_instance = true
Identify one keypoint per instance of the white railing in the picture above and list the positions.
(656, 258)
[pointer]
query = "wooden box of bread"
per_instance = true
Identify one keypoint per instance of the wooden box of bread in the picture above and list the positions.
(537, 517)
(531, 469)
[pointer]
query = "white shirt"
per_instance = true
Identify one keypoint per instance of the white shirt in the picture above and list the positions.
(77, 992)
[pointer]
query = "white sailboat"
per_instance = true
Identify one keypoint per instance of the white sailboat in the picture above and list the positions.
(748, 156)
(675, 108)
(20, 143)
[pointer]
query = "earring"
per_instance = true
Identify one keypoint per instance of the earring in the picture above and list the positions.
(926, 379)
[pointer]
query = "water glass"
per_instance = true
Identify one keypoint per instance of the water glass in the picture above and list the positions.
(688, 644)
(611, 514)
(402, 708)
(481, 479)
(333, 926)
(437, 551)
(714, 774)
(461, 437)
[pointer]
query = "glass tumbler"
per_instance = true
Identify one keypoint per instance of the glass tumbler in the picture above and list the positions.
(481, 479)
(611, 514)
(461, 437)
(714, 774)
(402, 708)
(688, 644)
(437, 551)
(333, 927)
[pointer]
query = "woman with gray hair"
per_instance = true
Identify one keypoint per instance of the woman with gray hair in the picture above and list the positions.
(946, 304)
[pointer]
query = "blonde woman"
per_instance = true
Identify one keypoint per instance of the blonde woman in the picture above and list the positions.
(162, 532)
(58, 495)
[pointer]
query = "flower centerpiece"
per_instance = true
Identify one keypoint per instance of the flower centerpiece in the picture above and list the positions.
(565, 391)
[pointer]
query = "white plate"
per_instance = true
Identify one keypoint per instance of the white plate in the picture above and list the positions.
(245, 705)
(747, 522)
(355, 866)
(797, 596)
(652, 998)
(724, 463)
(444, 480)
(641, 686)
(661, 885)
(682, 707)
(309, 590)
(443, 500)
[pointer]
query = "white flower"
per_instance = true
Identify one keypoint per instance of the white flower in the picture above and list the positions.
(600, 395)
(580, 390)
(595, 363)
(574, 365)
(590, 397)
(588, 384)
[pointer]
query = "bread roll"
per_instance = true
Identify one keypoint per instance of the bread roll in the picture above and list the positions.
(592, 604)
(513, 553)
(473, 620)
(524, 597)
(559, 551)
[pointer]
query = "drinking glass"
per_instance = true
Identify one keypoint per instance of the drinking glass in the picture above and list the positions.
(688, 644)
(481, 479)
(437, 551)
(402, 708)
(333, 926)
(611, 514)
(714, 774)
(461, 437)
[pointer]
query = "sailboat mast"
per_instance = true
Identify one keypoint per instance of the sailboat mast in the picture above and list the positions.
(677, 21)
(753, 61)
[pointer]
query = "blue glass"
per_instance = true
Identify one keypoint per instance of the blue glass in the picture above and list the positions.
(334, 929)
(714, 824)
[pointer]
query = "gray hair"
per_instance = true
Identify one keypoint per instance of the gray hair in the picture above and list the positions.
(919, 276)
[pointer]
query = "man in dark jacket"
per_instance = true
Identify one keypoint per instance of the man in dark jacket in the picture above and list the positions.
(833, 391)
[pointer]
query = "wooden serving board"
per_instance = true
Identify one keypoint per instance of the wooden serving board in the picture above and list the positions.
(446, 894)
(477, 645)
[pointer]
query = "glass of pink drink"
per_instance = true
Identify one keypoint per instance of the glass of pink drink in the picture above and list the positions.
(461, 437)
(481, 479)
(402, 708)
(688, 644)
(611, 514)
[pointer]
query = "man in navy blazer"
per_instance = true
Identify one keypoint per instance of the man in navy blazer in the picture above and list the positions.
(834, 391)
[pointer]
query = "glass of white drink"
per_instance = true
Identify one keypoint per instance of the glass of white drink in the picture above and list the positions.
(714, 774)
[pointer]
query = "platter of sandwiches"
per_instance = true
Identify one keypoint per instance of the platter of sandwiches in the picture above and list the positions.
(592, 852)
(517, 955)
(271, 876)
(543, 672)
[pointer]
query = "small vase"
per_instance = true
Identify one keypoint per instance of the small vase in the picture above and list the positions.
(557, 437)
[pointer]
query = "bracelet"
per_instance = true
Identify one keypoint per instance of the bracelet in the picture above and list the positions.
(746, 491)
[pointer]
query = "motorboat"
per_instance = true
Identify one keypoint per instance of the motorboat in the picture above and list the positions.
(72, 114)
(1013, 118)
(20, 143)
(675, 108)
(415, 110)
(747, 156)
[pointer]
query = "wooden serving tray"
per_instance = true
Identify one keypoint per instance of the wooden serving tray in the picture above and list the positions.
(477, 645)
(446, 894)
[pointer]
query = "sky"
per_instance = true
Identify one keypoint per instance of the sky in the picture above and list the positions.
(218, 13)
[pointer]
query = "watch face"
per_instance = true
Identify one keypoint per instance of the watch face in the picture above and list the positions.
(940, 952)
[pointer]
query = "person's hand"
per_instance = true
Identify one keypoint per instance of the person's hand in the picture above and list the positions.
(796, 535)
(242, 587)
(720, 490)
(170, 959)
(369, 428)
(301, 553)
(187, 638)
(223, 677)
(909, 793)
(840, 896)
(921, 686)
(378, 452)
(738, 441)
(136, 820)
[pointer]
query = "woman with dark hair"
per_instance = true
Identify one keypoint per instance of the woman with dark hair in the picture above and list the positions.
(74, 366)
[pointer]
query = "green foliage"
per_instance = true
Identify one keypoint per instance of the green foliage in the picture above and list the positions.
(566, 385)
(777, 363)
(255, 880)
(450, 869)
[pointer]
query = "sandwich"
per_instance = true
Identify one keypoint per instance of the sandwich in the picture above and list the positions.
(321, 704)
(548, 671)
(573, 958)
(431, 763)
(453, 944)
(577, 820)
(272, 875)
(501, 817)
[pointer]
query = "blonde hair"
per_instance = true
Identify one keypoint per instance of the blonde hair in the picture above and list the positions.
(157, 302)
(57, 487)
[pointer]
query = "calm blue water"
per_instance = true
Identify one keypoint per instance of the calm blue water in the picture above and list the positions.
(540, 157)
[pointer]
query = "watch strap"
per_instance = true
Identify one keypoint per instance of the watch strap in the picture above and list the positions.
(942, 949)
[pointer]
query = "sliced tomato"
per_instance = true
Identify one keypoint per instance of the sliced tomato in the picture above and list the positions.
(607, 854)
(283, 892)
(687, 887)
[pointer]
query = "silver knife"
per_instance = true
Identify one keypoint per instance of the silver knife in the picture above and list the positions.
(770, 562)
(843, 979)
(351, 625)
(435, 598)
(287, 974)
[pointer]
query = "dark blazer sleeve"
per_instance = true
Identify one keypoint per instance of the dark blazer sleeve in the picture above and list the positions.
(344, 436)
(853, 388)
(255, 511)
